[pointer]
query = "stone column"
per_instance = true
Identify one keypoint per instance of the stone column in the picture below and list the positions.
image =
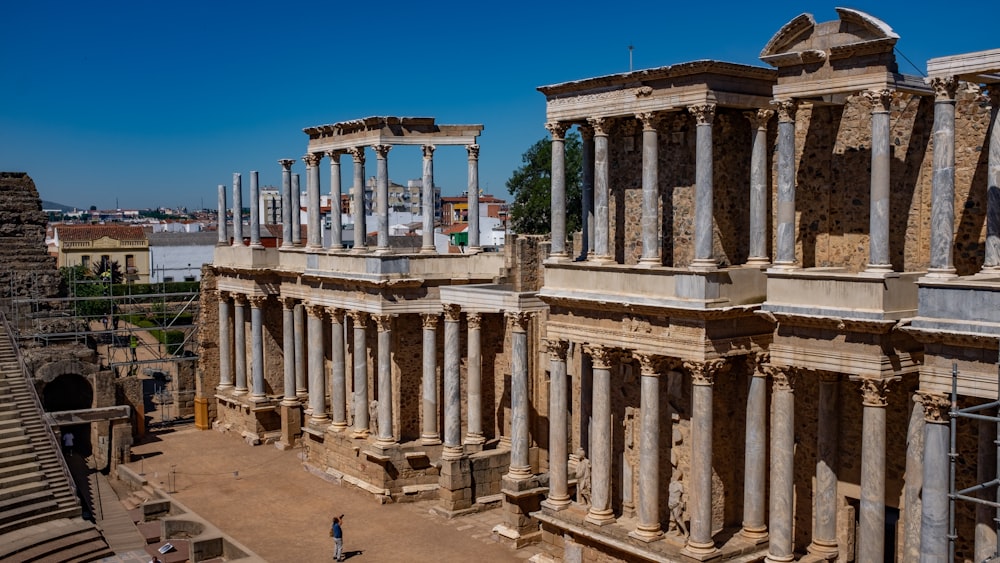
(240, 342)
(358, 191)
(336, 219)
(452, 384)
(225, 343)
(700, 542)
(286, 202)
(338, 371)
(427, 200)
(780, 542)
(934, 513)
(648, 527)
(785, 252)
(755, 457)
(704, 251)
(361, 423)
(600, 512)
(587, 192)
(317, 354)
(992, 261)
(223, 237)
(237, 209)
(758, 186)
(429, 434)
(382, 195)
(301, 383)
(913, 485)
(520, 440)
(296, 211)
(473, 151)
(288, 350)
(871, 517)
(474, 433)
(314, 234)
(650, 191)
(986, 469)
(255, 210)
(943, 179)
(257, 303)
(602, 242)
(386, 436)
(558, 132)
(878, 214)
(558, 497)
(825, 505)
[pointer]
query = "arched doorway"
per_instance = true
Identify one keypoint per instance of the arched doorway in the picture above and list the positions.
(71, 392)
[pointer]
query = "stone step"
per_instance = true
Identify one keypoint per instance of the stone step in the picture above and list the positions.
(27, 510)
(22, 478)
(9, 414)
(11, 432)
(11, 470)
(13, 442)
(42, 548)
(17, 459)
(22, 500)
(26, 488)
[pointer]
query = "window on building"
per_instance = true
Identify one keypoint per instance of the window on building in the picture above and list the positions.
(130, 263)
(189, 278)
(85, 261)
(105, 261)
(168, 279)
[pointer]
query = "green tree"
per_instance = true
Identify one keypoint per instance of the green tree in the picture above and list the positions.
(108, 270)
(531, 186)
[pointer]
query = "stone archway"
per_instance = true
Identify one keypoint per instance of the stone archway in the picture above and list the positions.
(68, 392)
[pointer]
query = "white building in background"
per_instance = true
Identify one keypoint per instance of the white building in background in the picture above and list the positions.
(179, 256)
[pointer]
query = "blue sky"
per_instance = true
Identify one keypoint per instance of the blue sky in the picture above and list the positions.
(156, 103)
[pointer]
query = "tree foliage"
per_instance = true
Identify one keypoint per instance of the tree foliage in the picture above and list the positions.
(531, 186)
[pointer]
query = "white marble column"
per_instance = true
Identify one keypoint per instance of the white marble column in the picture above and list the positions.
(240, 343)
(452, 383)
(386, 435)
(759, 171)
(558, 196)
(650, 191)
(301, 374)
(600, 512)
(943, 179)
(755, 455)
(520, 440)
(587, 192)
(336, 218)
(288, 350)
(296, 211)
(871, 516)
(360, 396)
(473, 191)
(986, 471)
(225, 343)
(338, 371)
(878, 214)
(913, 484)
(221, 219)
(700, 542)
(257, 303)
(237, 209)
(785, 235)
(704, 204)
(317, 355)
(474, 384)
(648, 527)
(558, 497)
(286, 202)
(825, 504)
(429, 434)
(992, 261)
(934, 499)
(427, 200)
(780, 547)
(255, 210)
(382, 196)
(602, 236)
(314, 234)
(358, 193)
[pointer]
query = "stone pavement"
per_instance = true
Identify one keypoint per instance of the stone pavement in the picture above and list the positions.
(264, 498)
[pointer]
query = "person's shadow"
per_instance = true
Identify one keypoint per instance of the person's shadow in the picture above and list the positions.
(350, 554)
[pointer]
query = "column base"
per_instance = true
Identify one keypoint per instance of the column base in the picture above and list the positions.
(942, 273)
(826, 549)
(702, 551)
(360, 434)
(338, 426)
(257, 246)
(258, 398)
(452, 453)
(383, 250)
(474, 442)
(240, 392)
(430, 439)
(878, 268)
(558, 258)
(359, 250)
(224, 387)
(754, 534)
(758, 261)
(646, 263)
(519, 473)
(778, 558)
(648, 534)
(600, 517)
(780, 265)
(314, 247)
(289, 402)
(704, 264)
(320, 420)
(385, 443)
(601, 259)
(557, 504)
(428, 250)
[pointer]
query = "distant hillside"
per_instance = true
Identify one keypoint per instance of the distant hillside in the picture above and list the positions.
(53, 205)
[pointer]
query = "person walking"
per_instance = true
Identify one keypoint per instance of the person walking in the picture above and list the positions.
(67, 440)
(338, 538)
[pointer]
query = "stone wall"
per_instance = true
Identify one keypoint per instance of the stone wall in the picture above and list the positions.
(207, 375)
(28, 269)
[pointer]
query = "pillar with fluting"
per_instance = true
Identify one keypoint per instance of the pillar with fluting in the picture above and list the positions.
(992, 261)
(700, 542)
(871, 514)
(452, 383)
(650, 191)
(301, 374)
(237, 209)
(780, 541)
(257, 303)
(587, 192)
(704, 116)
(558, 194)
(225, 343)
(286, 201)
(943, 179)
(473, 192)
(755, 455)
(358, 195)
(382, 196)
(520, 440)
(240, 343)
(600, 512)
(360, 397)
(317, 353)
(878, 213)
(336, 218)
(288, 350)
(338, 371)
(474, 384)
(429, 434)
(602, 242)
(386, 436)
(223, 211)
(314, 230)
(785, 235)
(758, 186)
(558, 497)
(824, 536)
(296, 211)
(934, 499)
(255, 210)
(648, 527)
(427, 200)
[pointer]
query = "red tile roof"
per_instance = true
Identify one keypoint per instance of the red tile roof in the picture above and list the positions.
(94, 232)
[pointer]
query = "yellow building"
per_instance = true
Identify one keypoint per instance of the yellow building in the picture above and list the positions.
(91, 245)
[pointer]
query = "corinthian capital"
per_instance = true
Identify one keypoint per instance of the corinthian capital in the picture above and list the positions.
(473, 151)
(557, 349)
(759, 118)
(586, 132)
(315, 310)
(474, 321)
(381, 151)
(383, 322)
(428, 150)
(782, 378)
(874, 391)
(518, 320)
(452, 312)
(945, 88)
(258, 301)
(935, 407)
(600, 356)
(312, 159)
(360, 318)
(288, 303)
(704, 373)
(879, 99)
(430, 320)
(557, 129)
(600, 125)
(649, 120)
(703, 114)
(286, 163)
(649, 364)
(358, 154)
(786, 109)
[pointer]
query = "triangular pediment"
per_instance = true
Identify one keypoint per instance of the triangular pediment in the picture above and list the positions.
(802, 41)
